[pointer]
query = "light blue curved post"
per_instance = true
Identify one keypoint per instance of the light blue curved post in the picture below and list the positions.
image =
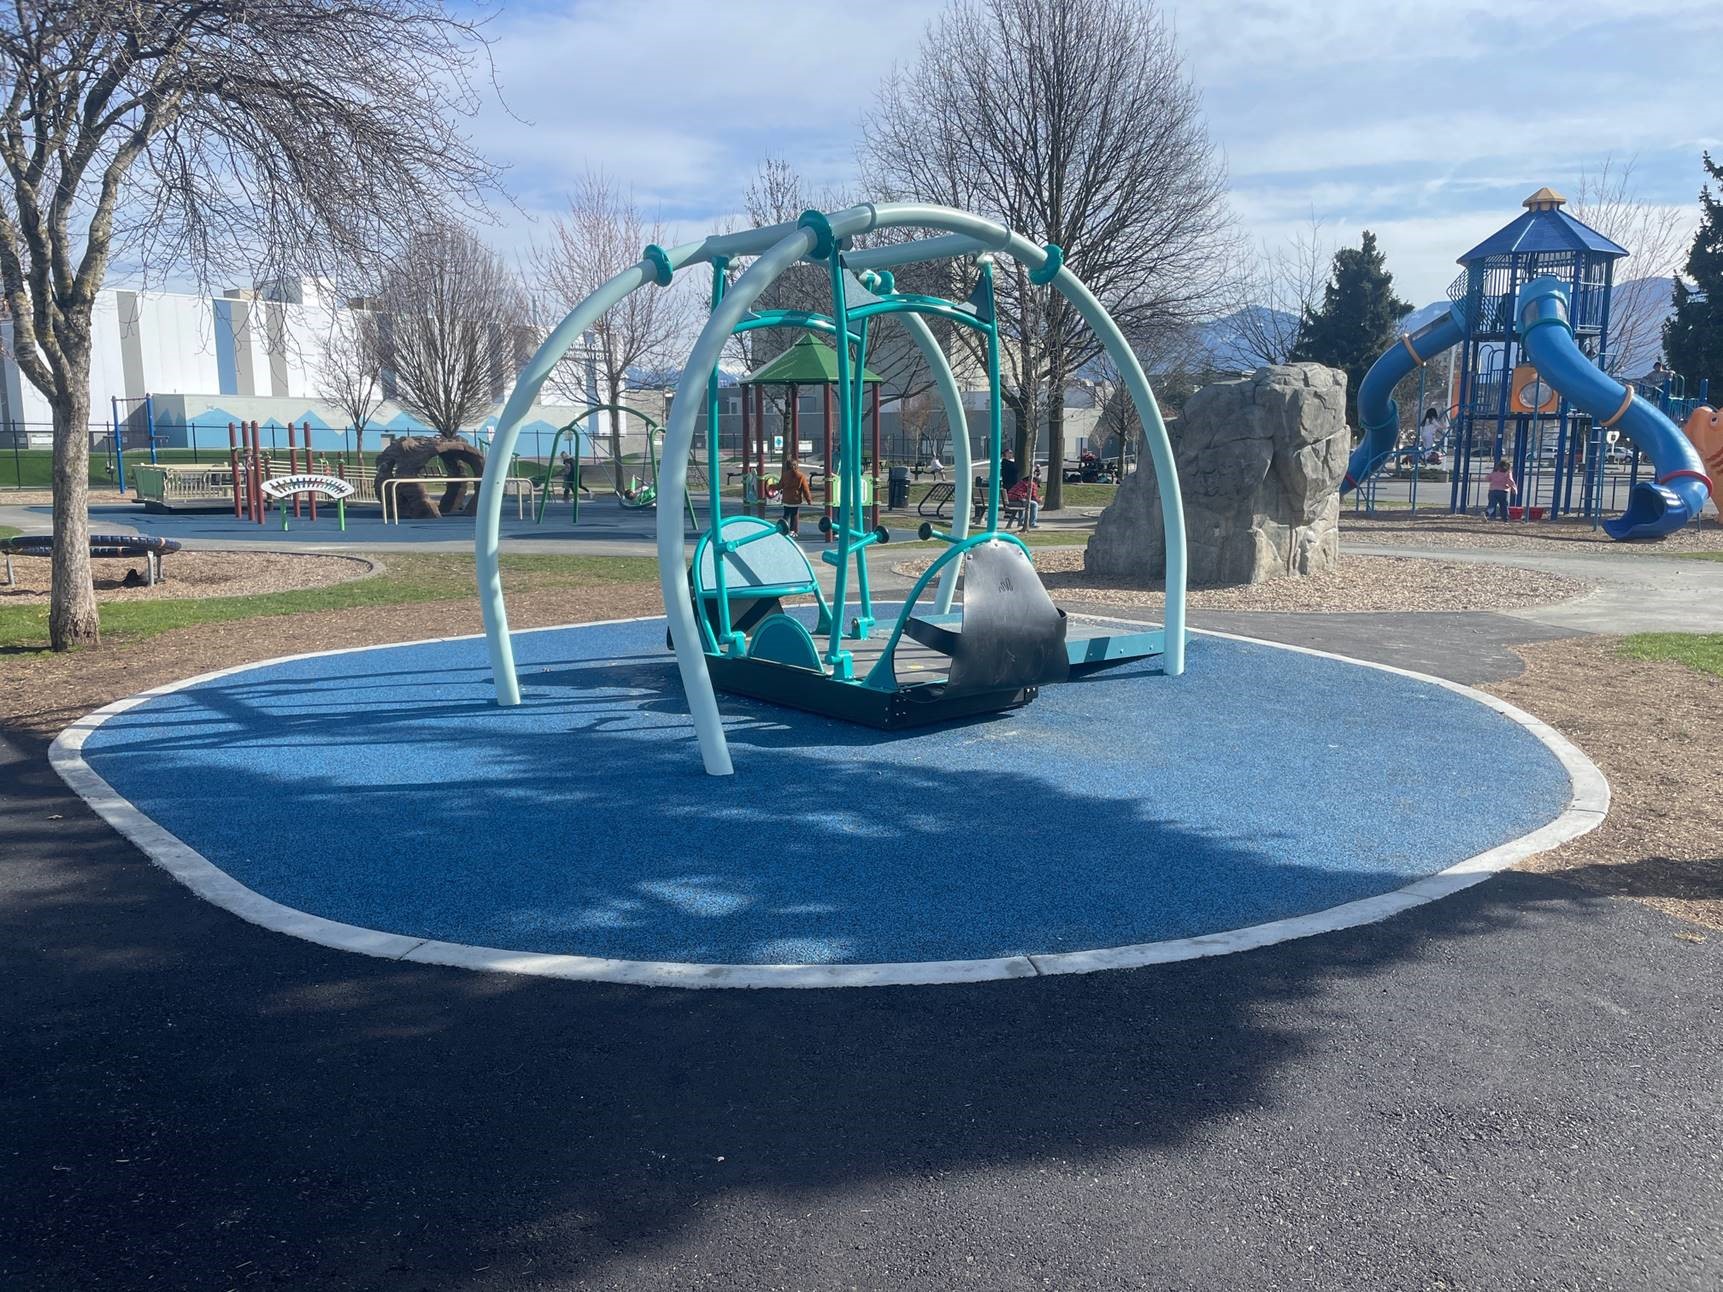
(488, 527)
(487, 536)
(673, 466)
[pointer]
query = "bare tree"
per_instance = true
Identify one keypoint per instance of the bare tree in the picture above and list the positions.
(350, 369)
(1270, 291)
(603, 232)
(273, 137)
(1608, 200)
(1074, 121)
(454, 329)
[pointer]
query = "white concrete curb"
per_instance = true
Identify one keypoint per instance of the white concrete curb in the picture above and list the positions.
(1586, 808)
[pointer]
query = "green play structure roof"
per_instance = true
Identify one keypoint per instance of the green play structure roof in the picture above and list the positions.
(809, 362)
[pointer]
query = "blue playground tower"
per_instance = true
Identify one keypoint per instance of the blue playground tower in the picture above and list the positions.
(1503, 407)
(1531, 318)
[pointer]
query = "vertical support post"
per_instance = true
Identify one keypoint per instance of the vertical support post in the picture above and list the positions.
(310, 467)
(995, 429)
(875, 389)
(150, 424)
(746, 414)
(233, 468)
(760, 445)
(849, 450)
(119, 445)
(828, 462)
(292, 470)
(715, 536)
(258, 510)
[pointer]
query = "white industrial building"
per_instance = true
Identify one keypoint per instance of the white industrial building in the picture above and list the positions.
(203, 362)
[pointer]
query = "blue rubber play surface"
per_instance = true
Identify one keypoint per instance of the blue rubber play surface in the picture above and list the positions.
(383, 788)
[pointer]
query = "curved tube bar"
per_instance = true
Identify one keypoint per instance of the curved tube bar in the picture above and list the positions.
(963, 471)
(673, 483)
(487, 537)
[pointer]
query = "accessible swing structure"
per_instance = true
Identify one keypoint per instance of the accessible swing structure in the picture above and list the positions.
(940, 658)
(640, 493)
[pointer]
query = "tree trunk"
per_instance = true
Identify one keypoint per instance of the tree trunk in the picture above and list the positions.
(72, 616)
(1054, 496)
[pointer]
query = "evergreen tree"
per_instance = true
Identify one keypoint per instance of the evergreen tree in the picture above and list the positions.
(1357, 319)
(1693, 337)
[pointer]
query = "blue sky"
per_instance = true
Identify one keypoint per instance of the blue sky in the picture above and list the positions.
(1425, 121)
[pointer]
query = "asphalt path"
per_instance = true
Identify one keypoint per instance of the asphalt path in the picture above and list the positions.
(1513, 1088)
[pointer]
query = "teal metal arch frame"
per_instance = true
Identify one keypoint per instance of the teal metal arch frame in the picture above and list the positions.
(776, 248)
(652, 429)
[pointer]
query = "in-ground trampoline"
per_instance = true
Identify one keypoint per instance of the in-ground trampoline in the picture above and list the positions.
(378, 800)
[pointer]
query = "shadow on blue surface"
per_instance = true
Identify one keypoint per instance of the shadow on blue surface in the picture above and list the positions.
(430, 1127)
(1128, 808)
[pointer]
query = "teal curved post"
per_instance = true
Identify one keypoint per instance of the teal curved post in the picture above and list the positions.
(963, 475)
(994, 237)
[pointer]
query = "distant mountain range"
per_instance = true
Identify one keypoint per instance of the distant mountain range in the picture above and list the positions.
(1641, 306)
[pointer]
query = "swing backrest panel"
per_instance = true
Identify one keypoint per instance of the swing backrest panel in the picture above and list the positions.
(775, 565)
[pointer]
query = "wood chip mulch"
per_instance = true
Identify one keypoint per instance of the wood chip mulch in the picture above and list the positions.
(1360, 583)
(192, 575)
(1655, 728)
(43, 692)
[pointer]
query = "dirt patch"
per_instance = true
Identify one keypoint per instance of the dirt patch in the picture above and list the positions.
(192, 575)
(1427, 529)
(44, 691)
(1653, 727)
(1362, 583)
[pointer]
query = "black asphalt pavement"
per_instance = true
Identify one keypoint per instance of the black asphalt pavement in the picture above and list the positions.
(1515, 1088)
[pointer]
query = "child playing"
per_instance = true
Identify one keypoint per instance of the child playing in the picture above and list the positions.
(795, 492)
(1501, 486)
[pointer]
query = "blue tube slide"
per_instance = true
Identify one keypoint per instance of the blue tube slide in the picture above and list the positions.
(1657, 508)
(1377, 411)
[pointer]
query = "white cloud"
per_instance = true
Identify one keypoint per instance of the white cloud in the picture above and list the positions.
(1424, 120)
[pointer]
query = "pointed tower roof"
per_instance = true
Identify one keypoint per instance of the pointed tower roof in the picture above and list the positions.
(1545, 227)
(808, 362)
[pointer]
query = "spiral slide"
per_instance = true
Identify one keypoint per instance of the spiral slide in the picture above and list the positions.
(1655, 509)
(1377, 410)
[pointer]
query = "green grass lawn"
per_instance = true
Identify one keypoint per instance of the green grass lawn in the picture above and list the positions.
(1088, 495)
(6, 531)
(1703, 651)
(407, 579)
(1701, 556)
